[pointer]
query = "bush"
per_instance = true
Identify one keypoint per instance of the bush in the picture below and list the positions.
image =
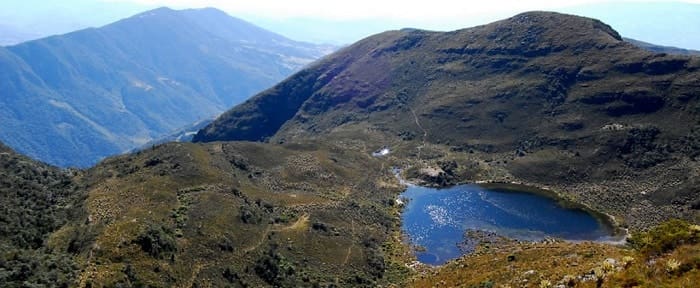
(274, 269)
(665, 237)
(157, 241)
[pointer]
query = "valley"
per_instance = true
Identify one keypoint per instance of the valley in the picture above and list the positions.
(287, 190)
(103, 91)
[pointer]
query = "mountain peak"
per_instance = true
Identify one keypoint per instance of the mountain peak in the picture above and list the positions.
(535, 31)
(555, 20)
(206, 10)
(113, 88)
(156, 12)
(533, 53)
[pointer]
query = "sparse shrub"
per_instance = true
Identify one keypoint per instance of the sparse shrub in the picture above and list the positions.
(599, 276)
(230, 275)
(81, 238)
(664, 237)
(569, 281)
(226, 245)
(157, 241)
(132, 277)
(545, 284)
(375, 260)
(274, 269)
(627, 261)
(607, 267)
(486, 284)
(251, 215)
(672, 265)
(152, 162)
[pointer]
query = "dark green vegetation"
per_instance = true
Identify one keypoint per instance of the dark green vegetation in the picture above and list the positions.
(35, 200)
(545, 99)
(541, 98)
(102, 91)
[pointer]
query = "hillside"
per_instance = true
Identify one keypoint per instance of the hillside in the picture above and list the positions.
(35, 200)
(73, 99)
(238, 214)
(546, 99)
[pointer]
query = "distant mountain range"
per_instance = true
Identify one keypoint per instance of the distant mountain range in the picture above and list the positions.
(663, 49)
(12, 35)
(73, 99)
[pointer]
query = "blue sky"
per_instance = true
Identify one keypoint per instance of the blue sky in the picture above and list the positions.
(662, 22)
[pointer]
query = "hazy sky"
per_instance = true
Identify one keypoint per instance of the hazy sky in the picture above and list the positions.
(437, 11)
(663, 22)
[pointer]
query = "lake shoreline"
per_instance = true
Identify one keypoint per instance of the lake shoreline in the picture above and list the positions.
(525, 187)
(617, 234)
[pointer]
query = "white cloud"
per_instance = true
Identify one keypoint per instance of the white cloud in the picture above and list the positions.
(432, 10)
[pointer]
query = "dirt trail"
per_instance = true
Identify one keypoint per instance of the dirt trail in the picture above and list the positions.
(197, 267)
(302, 222)
(347, 256)
(425, 132)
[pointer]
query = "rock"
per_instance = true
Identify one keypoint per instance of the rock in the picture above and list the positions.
(435, 176)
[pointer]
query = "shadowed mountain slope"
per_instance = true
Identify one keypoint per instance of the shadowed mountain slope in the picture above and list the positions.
(76, 98)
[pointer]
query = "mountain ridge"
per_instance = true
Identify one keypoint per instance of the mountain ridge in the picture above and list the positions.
(593, 120)
(405, 35)
(543, 98)
(102, 91)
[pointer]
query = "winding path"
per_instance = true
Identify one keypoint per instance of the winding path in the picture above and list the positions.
(425, 132)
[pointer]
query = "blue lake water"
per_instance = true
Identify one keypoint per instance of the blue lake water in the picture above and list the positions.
(436, 219)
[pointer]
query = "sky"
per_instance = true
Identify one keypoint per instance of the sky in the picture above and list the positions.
(672, 23)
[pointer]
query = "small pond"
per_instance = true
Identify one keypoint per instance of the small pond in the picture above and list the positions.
(436, 220)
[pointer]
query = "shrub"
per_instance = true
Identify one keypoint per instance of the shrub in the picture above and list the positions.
(664, 237)
(157, 241)
(274, 269)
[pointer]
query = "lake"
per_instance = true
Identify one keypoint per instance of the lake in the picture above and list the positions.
(436, 219)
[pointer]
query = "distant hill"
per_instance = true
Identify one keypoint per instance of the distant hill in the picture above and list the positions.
(544, 98)
(662, 49)
(73, 99)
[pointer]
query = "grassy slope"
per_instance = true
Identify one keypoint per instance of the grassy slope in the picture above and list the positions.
(239, 214)
(542, 98)
(318, 210)
(649, 264)
(252, 214)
